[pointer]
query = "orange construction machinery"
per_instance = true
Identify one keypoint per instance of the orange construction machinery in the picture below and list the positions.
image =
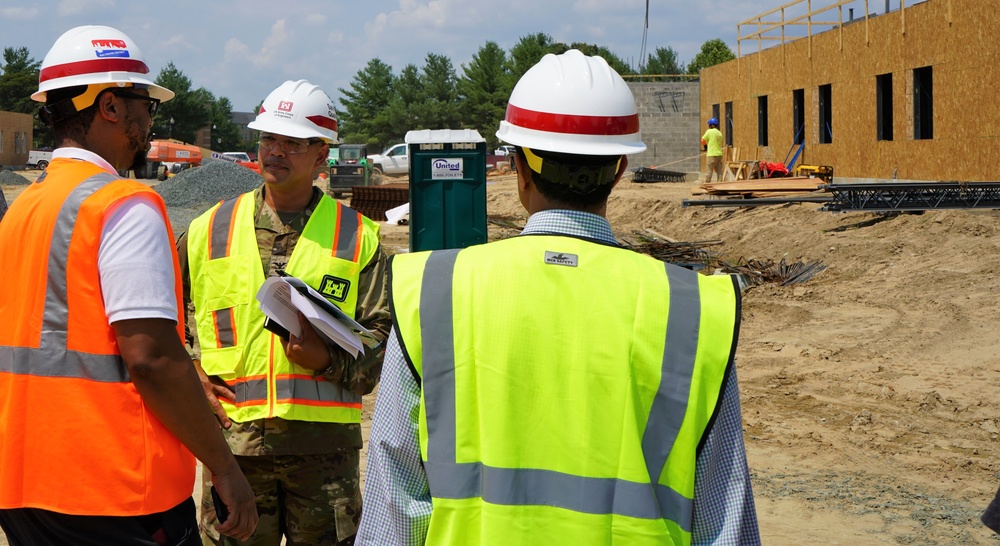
(166, 156)
(168, 151)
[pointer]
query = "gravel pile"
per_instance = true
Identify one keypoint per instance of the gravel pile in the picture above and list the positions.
(208, 185)
(11, 178)
(192, 192)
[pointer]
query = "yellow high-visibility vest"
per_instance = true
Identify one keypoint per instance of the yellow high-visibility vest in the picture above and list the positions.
(224, 260)
(566, 386)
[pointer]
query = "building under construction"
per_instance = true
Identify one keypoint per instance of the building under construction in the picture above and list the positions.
(909, 93)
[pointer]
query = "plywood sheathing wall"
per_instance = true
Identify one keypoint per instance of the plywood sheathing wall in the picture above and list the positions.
(957, 38)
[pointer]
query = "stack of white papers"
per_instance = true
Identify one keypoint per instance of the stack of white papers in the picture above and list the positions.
(282, 298)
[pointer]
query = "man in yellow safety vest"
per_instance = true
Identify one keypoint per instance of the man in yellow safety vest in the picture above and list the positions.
(291, 403)
(555, 388)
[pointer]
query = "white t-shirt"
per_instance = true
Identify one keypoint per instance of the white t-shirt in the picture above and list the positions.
(134, 259)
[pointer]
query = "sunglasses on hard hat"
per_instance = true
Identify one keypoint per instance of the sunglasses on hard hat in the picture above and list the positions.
(154, 104)
(290, 146)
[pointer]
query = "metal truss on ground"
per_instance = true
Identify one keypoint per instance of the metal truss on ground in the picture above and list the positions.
(894, 197)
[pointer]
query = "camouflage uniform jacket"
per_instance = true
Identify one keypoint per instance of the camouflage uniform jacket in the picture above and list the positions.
(3, 204)
(276, 239)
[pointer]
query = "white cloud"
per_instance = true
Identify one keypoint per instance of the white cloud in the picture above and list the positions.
(18, 13)
(426, 17)
(272, 45)
(76, 7)
(315, 19)
(335, 37)
(235, 50)
(175, 42)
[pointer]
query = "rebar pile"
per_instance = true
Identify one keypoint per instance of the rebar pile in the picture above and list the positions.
(691, 255)
(373, 201)
(757, 272)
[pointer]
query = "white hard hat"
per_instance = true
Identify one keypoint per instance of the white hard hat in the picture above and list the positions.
(573, 104)
(298, 109)
(95, 56)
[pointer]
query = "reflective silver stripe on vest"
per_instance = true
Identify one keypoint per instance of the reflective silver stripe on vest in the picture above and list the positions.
(63, 363)
(347, 235)
(52, 358)
(316, 391)
(509, 486)
(670, 404)
(251, 390)
(224, 326)
(221, 225)
(55, 320)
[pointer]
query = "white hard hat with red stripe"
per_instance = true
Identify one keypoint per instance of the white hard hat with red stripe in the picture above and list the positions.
(298, 109)
(573, 104)
(97, 56)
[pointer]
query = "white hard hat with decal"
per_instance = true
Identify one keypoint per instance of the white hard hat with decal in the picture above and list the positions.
(573, 104)
(298, 109)
(97, 56)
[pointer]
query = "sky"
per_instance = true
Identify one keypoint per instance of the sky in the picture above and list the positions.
(243, 50)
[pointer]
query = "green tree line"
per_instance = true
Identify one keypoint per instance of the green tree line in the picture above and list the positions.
(380, 106)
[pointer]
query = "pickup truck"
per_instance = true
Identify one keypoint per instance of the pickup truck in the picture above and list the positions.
(393, 161)
(38, 159)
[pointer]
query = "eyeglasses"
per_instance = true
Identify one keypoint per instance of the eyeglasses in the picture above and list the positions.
(290, 146)
(154, 104)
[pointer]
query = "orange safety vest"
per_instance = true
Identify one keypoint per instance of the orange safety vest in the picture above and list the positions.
(75, 436)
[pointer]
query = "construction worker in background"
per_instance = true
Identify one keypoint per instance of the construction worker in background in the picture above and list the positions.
(292, 406)
(555, 388)
(101, 406)
(711, 142)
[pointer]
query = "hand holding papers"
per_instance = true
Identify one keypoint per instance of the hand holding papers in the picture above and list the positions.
(282, 298)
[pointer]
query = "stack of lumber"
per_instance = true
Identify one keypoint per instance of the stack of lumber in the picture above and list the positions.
(761, 187)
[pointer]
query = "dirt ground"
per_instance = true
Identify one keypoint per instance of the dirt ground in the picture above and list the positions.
(865, 391)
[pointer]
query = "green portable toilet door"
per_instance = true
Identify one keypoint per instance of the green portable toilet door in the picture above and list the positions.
(447, 196)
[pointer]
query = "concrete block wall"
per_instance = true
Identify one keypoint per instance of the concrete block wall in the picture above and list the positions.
(670, 121)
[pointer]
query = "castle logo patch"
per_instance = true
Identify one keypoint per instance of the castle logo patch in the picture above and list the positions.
(561, 258)
(334, 288)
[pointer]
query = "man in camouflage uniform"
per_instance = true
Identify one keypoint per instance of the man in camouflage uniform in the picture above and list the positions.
(305, 473)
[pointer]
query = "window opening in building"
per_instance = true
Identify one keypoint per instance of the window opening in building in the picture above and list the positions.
(883, 106)
(825, 114)
(798, 116)
(729, 124)
(762, 121)
(923, 104)
(715, 111)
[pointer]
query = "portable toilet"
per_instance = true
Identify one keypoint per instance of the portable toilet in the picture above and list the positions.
(447, 188)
